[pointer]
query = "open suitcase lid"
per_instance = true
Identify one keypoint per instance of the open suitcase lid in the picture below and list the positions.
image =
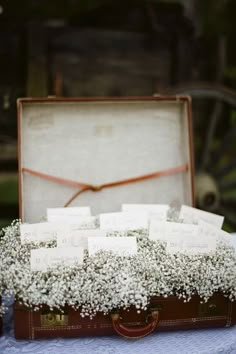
(115, 150)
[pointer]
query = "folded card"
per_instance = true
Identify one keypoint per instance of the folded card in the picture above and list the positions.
(193, 216)
(180, 230)
(40, 232)
(180, 237)
(189, 246)
(157, 230)
(121, 246)
(78, 238)
(162, 230)
(157, 211)
(234, 241)
(124, 221)
(53, 213)
(207, 230)
(80, 221)
(43, 258)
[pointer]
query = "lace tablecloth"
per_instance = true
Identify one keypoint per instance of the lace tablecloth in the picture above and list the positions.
(210, 341)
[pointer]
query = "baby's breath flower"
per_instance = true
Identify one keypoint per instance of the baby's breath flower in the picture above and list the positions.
(106, 281)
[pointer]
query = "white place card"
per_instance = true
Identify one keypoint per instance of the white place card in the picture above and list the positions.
(163, 230)
(192, 216)
(179, 237)
(180, 230)
(121, 246)
(174, 245)
(189, 246)
(156, 211)
(207, 230)
(234, 240)
(44, 258)
(78, 238)
(40, 232)
(157, 230)
(54, 214)
(124, 221)
(80, 221)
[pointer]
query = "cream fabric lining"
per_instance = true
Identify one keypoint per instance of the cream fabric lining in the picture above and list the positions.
(101, 142)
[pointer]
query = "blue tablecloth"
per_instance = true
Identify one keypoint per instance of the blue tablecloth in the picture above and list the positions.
(210, 341)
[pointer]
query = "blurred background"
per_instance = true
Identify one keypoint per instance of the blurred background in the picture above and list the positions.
(117, 48)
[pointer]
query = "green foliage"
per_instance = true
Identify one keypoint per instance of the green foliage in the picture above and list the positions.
(230, 72)
(8, 189)
(213, 14)
(8, 195)
(4, 223)
(233, 118)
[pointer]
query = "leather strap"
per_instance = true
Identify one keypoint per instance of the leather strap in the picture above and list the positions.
(85, 187)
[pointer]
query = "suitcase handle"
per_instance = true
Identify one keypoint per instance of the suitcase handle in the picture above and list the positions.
(135, 332)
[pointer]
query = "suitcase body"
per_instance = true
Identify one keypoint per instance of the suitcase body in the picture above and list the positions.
(142, 146)
(163, 314)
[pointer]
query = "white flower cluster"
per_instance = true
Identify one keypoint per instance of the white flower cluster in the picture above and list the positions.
(2, 287)
(106, 281)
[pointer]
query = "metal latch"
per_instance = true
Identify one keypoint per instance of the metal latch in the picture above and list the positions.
(208, 309)
(53, 318)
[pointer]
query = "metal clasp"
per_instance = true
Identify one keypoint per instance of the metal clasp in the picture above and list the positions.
(153, 312)
(53, 318)
(208, 309)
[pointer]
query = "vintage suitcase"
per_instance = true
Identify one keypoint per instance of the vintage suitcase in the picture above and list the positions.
(102, 153)
(163, 314)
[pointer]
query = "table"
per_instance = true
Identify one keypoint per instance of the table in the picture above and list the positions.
(208, 341)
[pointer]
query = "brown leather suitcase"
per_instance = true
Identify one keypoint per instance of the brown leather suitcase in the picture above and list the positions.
(163, 314)
(140, 145)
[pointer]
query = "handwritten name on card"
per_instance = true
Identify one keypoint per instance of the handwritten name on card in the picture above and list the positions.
(207, 230)
(193, 216)
(40, 232)
(78, 238)
(55, 214)
(121, 246)
(183, 238)
(174, 245)
(199, 245)
(175, 229)
(157, 211)
(234, 241)
(44, 258)
(157, 230)
(80, 221)
(163, 230)
(124, 221)
(188, 246)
